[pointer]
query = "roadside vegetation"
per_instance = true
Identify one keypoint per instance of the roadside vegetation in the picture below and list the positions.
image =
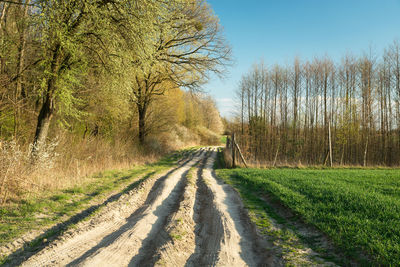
(87, 86)
(38, 212)
(358, 209)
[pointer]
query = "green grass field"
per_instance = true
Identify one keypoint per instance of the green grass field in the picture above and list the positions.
(358, 209)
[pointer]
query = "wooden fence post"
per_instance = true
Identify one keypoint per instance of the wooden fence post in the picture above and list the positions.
(241, 155)
(330, 144)
(233, 150)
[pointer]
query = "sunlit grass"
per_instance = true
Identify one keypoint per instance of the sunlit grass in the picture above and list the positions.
(223, 139)
(358, 209)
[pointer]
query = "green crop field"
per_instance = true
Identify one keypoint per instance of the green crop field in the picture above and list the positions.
(359, 209)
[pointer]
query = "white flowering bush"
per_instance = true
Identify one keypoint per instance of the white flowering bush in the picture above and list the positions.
(12, 163)
(44, 156)
(17, 165)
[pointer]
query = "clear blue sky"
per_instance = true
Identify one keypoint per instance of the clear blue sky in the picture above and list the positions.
(279, 30)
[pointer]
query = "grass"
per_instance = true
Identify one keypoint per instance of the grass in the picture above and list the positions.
(223, 139)
(177, 232)
(358, 209)
(52, 207)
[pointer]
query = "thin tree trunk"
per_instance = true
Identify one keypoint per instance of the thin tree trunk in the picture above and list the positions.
(3, 17)
(20, 63)
(276, 155)
(330, 143)
(233, 151)
(21, 49)
(342, 157)
(366, 151)
(142, 110)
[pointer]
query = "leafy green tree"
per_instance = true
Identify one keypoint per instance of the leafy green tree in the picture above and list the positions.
(76, 36)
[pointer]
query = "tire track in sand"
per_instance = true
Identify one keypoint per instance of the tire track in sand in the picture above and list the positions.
(219, 231)
(95, 235)
(180, 229)
(135, 236)
(225, 235)
(209, 227)
(149, 253)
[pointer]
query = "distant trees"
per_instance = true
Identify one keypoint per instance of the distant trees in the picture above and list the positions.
(196, 112)
(315, 112)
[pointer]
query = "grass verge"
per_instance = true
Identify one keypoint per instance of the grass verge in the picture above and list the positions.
(359, 210)
(53, 207)
(223, 139)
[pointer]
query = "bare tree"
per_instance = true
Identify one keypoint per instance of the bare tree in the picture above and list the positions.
(347, 113)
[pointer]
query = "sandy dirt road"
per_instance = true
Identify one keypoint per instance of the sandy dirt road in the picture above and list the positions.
(185, 217)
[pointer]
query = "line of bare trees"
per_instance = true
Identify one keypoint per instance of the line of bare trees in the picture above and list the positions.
(321, 111)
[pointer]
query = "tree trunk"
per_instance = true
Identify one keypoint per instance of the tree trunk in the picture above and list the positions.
(276, 154)
(42, 128)
(365, 152)
(21, 48)
(20, 63)
(3, 17)
(330, 143)
(233, 151)
(142, 122)
(342, 157)
(47, 109)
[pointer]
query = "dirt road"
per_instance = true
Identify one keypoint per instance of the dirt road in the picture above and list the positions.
(185, 217)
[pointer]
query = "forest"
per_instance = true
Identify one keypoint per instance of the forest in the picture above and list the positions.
(93, 85)
(322, 112)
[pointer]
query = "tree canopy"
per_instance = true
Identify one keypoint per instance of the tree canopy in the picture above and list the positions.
(97, 63)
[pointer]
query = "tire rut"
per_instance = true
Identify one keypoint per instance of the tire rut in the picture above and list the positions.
(181, 226)
(209, 227)
(212, 228)
(239, 244)
(159, 236)
(76, 245)
(142, 225)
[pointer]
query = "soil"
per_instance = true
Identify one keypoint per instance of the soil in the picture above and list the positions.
(185, 217)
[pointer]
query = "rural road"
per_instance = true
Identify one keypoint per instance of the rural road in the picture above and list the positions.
(184, 217)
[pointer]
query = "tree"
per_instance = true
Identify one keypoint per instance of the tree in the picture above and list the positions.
(187, 46)
(71, 33)
(347, 112)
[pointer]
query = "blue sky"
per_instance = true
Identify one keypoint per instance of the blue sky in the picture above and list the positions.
(277, 31)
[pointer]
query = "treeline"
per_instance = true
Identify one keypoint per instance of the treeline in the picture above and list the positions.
(179, 118)
(94, 63)
(105, 78)
(303, 113)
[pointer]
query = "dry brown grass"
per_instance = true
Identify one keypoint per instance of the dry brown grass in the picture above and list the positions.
(251, 163)
(69, 160)
(62, 164)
